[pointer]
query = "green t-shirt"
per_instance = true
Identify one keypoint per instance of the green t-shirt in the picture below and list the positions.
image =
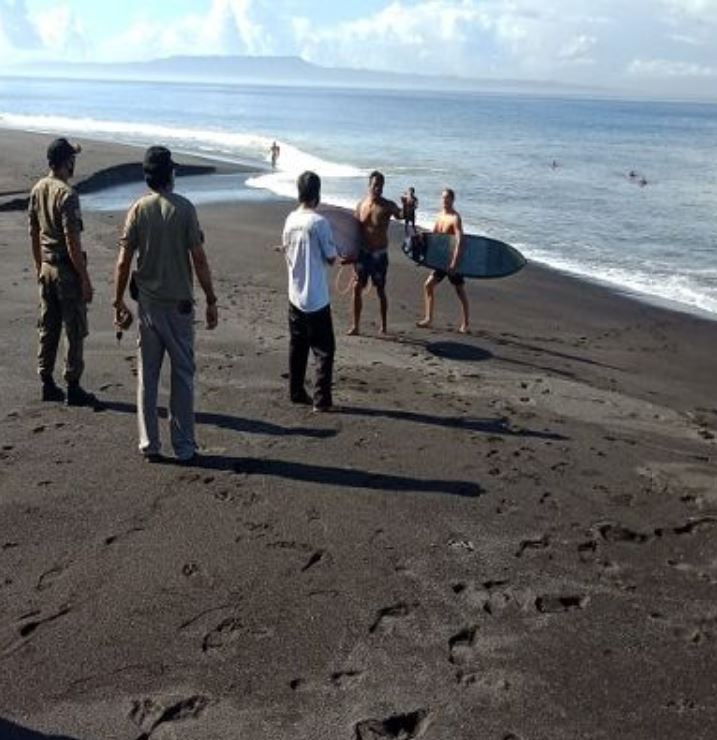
(54, 211)
(162, 228)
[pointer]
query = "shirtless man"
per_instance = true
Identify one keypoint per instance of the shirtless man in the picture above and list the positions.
(374, 213)
(448, 222)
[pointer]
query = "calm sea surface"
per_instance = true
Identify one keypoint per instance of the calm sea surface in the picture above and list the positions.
(585, 215)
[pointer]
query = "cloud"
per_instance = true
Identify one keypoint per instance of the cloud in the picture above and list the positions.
(16, 29)
(699, 10)
(228, 27)
(60, 30)
(660, 68)
(589, 42)
(464, 37)
(41, 33)
(578, 48)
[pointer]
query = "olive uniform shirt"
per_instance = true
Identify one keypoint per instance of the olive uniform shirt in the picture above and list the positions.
(54, 210)
(163, 228)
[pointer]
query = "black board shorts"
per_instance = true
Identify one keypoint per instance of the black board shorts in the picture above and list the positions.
(372, 265)
(453, 278)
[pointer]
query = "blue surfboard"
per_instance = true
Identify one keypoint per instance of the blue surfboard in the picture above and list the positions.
(482, 257)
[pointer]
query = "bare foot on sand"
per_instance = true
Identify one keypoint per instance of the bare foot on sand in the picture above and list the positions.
(464, 329)
(352, 332)
(424, 324)
(382, 332)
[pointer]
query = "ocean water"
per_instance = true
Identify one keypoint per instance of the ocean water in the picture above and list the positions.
(585, 216)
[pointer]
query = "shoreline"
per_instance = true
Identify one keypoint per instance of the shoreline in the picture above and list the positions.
(504, 534)
(123, 173)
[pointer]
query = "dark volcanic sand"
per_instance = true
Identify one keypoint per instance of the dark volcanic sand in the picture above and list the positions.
(505, 535)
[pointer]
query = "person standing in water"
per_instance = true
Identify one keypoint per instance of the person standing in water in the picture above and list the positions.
(274, 151)
(410, 204)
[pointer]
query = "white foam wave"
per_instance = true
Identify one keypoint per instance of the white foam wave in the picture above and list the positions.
(672, 289)
(292, 160)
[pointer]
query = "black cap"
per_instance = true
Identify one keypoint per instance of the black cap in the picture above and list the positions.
(158, 159)
(60, 150)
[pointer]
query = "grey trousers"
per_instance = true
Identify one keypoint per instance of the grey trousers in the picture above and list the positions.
(164, 329)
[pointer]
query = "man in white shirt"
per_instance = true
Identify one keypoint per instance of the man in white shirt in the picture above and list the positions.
(309, 250)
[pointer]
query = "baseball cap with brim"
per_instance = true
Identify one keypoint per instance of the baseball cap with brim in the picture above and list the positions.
(158, 159)
(60, 150)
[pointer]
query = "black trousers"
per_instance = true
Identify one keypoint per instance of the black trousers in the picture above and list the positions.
(311, 331)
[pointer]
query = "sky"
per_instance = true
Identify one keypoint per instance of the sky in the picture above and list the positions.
(663, 46)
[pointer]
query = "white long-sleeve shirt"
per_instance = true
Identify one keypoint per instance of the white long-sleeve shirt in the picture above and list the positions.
(308, 247)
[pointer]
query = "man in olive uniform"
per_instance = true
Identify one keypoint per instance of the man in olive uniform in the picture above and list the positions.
(55, 224)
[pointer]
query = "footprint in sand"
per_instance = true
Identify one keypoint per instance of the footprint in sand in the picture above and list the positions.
(558, 603)
(398, 726)
(613, 532)
(148, 714)
(222, 635)
(390, 617)
(461, 647)
(48, 578)
(28, 626)
(346, 679)
(541, 543)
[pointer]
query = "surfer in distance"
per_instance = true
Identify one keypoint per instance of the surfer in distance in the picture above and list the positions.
(374, 214)
(274, 151)
(637, 178)
(410, 204)
(448, 222)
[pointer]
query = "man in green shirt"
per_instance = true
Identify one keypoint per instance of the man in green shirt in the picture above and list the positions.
(55, 224)
(162, 230)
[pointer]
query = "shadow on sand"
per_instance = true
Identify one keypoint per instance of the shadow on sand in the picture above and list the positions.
(497, 426)
(337, 477)
(467, 352)
(461, 351)
(233, 423)
(10, 731)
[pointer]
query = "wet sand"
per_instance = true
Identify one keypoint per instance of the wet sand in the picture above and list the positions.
(505, 535)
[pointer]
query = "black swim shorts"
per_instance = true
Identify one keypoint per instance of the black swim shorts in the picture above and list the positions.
(454, 278)
(372, 265)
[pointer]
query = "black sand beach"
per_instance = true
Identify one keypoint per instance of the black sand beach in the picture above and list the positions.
(505, 535)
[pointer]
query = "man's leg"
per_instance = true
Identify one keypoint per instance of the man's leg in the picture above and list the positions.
(379, 273)
(178, 334)
(465, 310)
(74, 317)
(323, 345)
(298, 355)
(429, 302)
(356, 306)
(149, 354)
(49, 326)
(361, 271)
(383, 308)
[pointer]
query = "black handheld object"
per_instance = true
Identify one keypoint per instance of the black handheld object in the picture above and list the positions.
(125, 321)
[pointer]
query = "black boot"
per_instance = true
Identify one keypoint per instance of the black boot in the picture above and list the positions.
(50, 391)
(78, 396)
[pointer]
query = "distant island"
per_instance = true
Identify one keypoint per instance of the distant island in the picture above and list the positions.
(281, 70)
